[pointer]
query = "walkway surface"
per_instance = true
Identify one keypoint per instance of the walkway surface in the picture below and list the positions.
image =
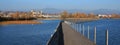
(71, 37)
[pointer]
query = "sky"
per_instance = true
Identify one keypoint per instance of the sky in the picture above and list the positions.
(59, 4)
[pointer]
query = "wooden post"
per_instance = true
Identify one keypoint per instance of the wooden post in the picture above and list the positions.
(70, 22)
(95, 35)
(83, 29)
(88, 32)
(73, 25)
(107, 37)
(78, 27)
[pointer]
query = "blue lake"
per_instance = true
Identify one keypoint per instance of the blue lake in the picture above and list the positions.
(112, 25)
(27, 34)
(39, 34)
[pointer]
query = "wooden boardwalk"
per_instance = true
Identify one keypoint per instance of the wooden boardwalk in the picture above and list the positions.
(71, 37)
(65, 35)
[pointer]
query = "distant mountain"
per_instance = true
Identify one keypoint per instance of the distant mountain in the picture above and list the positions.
(51, 10)
(106, 11)
(54, 10)
(78, 10)
(99, 11)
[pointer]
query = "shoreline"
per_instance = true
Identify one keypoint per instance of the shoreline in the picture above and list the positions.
(19, 22)
(81, 19)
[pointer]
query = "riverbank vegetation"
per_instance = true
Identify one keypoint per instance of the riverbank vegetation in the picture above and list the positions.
(115, 16)
(19, 22)
(17, 16)
(78, 15)
(65, 14)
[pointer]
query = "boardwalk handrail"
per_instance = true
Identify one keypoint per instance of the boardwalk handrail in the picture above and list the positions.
(57, 37)
(74, 24)
(70, 36)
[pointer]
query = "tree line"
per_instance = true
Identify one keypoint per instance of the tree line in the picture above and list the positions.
(65, 14)
(18, 16)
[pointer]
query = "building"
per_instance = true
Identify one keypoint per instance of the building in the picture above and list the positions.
(36, 13)
(104, 16)
(51, 16)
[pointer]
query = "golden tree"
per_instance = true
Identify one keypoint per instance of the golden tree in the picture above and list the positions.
(15, 15)
(64, 14)
(91, 15)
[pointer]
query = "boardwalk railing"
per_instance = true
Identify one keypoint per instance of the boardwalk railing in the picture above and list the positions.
(65, 35)
(81, 28)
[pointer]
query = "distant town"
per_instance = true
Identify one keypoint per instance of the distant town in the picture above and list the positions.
(17, 15)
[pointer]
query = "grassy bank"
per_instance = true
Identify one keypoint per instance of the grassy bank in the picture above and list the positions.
(19, 22)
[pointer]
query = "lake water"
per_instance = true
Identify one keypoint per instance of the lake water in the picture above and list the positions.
(27, 34)
(39, 34)
(113, 26)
